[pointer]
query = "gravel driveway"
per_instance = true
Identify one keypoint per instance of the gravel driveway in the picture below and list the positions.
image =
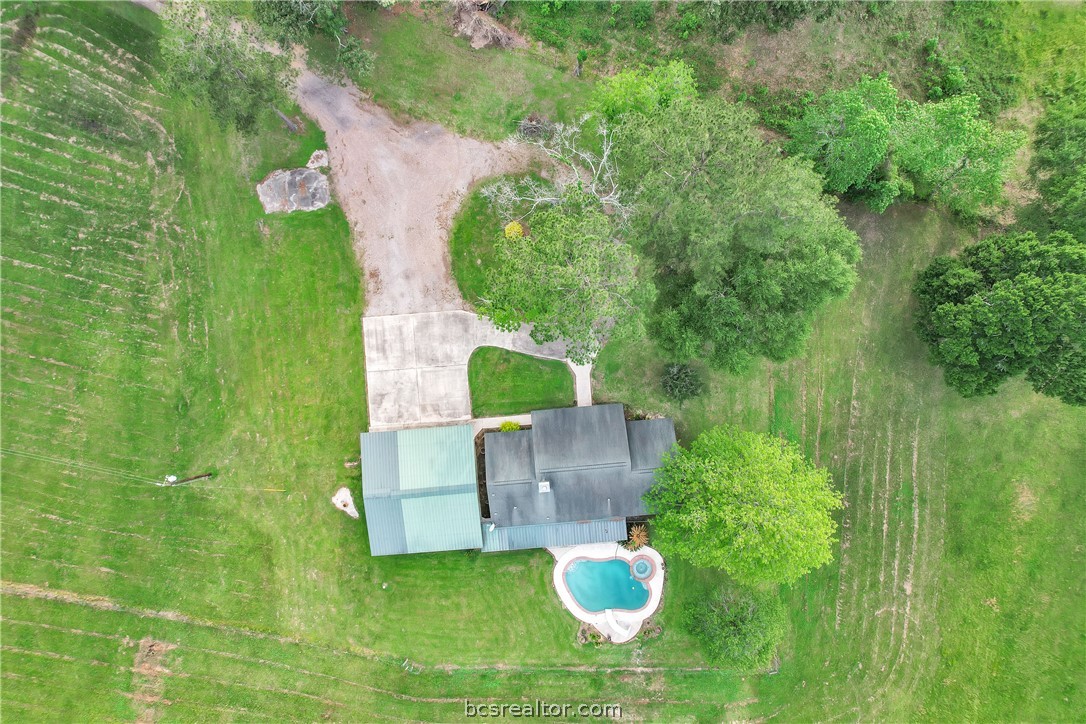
(400, 186)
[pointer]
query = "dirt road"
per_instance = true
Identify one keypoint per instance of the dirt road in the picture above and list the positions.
(400, 186)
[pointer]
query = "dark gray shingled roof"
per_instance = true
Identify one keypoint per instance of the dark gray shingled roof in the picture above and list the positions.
(598, 466)
(579, 437)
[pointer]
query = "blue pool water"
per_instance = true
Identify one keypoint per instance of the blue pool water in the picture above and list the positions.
(599, 585)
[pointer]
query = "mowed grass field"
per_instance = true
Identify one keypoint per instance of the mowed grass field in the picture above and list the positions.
(156, 322)
(958, 586)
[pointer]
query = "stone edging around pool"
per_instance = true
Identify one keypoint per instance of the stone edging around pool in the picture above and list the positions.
(618, 627)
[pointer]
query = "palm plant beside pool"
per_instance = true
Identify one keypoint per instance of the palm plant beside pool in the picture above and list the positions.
(639, 537)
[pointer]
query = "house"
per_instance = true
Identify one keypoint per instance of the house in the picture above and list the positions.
(574, 477)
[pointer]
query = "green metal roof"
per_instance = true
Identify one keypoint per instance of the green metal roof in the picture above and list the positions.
(419, 490)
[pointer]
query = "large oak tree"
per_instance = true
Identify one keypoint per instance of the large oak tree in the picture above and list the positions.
(747, 503)
(569, 277)
(1009, 305)
(746, 246)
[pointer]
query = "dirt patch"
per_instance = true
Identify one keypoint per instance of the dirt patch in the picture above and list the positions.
(400, 186)
(26, 27)
(1025, 503)
(148, 684)
(1020, 189)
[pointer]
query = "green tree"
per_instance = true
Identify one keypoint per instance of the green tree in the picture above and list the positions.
(292, 21)
(747, 503)
(952, 153)
(1008, 305)
(641, 91)
(746, 246)
(738, 628)
(847, 133)
(569, 278)
(867, 142)
(209, 58)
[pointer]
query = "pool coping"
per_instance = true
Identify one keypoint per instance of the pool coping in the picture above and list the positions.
(617, 626)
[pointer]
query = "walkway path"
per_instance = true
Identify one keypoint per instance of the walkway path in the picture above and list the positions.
(400, 186)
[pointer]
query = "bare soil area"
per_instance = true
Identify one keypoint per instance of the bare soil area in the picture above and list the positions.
(400, 186)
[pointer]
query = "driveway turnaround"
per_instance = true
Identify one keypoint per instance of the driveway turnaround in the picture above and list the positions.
(417, 365)
(400, 185)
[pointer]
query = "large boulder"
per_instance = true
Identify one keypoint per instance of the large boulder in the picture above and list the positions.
(299, 189)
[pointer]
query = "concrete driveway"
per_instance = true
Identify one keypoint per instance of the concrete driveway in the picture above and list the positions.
(417, 365)
(400, 185)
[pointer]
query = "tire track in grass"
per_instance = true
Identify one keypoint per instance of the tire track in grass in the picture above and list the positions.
(108, 175)
(100, 40)
(859, 522)
(922, 594)
(184, 675)
(82, 146)
(878, 586)
(91, 81)
(296, 688)
(58, 35)
(844, 569)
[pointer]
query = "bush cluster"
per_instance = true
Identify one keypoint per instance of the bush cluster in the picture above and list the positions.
(738, 628)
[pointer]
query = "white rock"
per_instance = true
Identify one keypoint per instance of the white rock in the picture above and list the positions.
(345, 502)
(319, 159)
(298, 189)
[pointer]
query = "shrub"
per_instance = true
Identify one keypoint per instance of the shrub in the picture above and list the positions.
(641, 14)
(639, 537)
(509, 426)
(591, 36)
(356, 60)
(682, 382)
(644, 90)
(514, 230)
(687, 24)
(737, 627)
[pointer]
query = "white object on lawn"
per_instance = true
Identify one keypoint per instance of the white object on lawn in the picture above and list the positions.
(345, 502)
(319, 159)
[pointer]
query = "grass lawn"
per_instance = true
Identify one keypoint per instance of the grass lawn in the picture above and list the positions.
(424, 71)
(474, 232)
(509, 383)
(156, 322)
(957, 589)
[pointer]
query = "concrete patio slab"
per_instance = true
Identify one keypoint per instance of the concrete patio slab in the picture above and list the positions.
(443, 338)
(390, 344)
(392, 395)
(444, 395)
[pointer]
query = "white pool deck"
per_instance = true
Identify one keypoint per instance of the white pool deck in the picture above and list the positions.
(617, 626)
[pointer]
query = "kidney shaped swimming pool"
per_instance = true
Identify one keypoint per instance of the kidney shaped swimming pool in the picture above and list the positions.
(601, 585)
